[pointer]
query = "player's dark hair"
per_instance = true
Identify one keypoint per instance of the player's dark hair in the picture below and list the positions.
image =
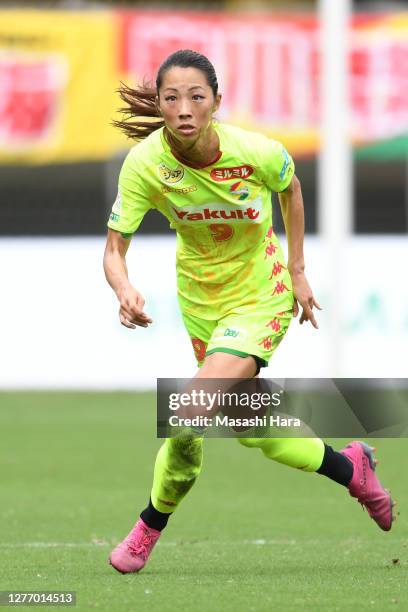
(141, 101)
(185, 58)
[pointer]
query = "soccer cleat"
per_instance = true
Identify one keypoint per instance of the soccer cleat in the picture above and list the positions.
(132, 554)
(365, 485)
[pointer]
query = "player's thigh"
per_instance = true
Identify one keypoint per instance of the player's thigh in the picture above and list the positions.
(226, 365)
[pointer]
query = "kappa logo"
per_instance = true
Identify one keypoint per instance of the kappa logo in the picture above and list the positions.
(218, 212)
(170, 176)
(236, 172)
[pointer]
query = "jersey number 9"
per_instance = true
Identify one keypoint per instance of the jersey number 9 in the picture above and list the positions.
(221, 231)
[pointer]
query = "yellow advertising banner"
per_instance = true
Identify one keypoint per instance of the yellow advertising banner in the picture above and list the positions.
(59, 71)
(58, 75)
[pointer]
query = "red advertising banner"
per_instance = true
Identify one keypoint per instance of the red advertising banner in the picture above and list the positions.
(379, 76)
(31, 98)
(269, 68)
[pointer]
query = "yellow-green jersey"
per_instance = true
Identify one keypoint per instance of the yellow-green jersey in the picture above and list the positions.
(228, 256)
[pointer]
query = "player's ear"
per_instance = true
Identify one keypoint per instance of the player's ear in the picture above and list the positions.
(217, 102)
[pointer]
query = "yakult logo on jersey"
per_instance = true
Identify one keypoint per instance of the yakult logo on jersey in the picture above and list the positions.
(226, 174)
(213, 213)
(170, 176)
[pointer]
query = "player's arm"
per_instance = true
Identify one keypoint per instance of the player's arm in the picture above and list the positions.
(291, 202)
(131, 313)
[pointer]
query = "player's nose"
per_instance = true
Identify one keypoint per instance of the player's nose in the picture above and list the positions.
(184, 109)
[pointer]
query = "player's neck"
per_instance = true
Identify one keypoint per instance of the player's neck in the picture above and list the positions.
(204, 151)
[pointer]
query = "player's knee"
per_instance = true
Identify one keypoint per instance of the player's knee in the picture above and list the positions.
(187, 450)
(249, 442)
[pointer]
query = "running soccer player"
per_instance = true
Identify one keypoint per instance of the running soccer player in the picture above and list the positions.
(237, 294)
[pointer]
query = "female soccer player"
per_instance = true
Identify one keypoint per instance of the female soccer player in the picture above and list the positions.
(237, 295)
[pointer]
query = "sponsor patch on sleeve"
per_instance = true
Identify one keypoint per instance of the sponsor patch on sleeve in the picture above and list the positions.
(286, 163)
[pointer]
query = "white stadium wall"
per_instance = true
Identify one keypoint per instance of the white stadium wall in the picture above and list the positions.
(59, 326)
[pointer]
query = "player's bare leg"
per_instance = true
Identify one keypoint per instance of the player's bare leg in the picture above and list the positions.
(225, 365)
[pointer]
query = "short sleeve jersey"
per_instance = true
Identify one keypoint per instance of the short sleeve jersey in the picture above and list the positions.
(228, 256)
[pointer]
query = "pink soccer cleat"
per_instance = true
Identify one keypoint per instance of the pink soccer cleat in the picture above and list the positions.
(365, 485)
(132, 554)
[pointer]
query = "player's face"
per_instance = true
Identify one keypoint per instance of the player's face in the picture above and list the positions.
(187, 103)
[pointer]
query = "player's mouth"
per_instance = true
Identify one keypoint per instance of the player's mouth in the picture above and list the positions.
(186, 129)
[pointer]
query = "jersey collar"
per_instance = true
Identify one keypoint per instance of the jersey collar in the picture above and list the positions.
(191, 165)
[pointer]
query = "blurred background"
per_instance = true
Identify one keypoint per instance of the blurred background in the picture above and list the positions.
(60, 66)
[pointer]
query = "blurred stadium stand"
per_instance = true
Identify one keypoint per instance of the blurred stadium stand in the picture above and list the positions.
(75, 198)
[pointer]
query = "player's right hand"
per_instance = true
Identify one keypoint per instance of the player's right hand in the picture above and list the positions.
(131, 313)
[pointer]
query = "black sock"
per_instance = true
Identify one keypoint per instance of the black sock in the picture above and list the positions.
(336, 466)
(153, 518)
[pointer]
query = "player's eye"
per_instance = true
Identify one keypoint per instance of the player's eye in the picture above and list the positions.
(170, 98)
(198, 97)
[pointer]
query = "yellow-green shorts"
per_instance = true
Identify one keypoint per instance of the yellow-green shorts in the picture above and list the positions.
(245, 331)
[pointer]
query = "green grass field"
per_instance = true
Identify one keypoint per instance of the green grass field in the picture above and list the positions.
(76, 470)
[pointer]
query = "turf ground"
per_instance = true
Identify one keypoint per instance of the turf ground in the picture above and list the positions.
(76, 469)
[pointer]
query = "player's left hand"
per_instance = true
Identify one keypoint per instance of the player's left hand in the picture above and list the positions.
(304, 297)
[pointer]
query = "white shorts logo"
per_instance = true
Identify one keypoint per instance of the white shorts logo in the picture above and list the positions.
(232, 333)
